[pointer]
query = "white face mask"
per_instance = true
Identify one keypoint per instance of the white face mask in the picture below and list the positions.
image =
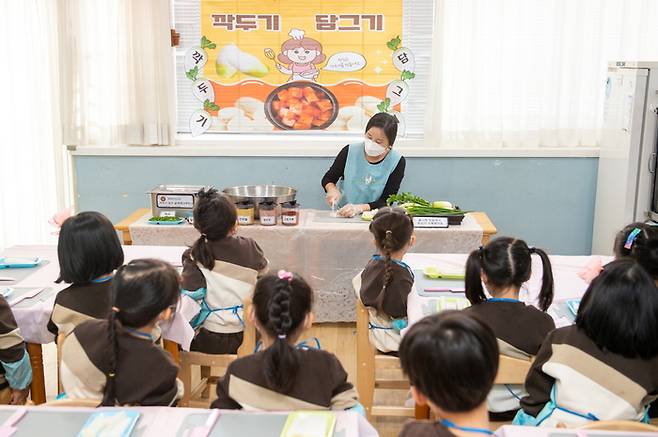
(373, 149)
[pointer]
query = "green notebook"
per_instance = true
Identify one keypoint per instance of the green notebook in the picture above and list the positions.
(309, 424)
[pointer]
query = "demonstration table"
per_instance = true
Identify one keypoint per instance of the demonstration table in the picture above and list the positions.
(327, 251)
(165, 421)
(34, 298)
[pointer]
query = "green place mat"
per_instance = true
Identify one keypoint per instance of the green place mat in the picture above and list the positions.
(21, 274)
(44, 295)
(48, 423)
(230, 425)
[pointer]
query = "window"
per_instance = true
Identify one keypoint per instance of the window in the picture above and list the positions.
(250, 54)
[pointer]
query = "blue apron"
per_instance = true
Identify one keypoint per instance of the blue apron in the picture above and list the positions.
(364, 182)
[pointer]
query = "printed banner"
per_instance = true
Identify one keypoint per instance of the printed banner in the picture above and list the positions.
(266, 65)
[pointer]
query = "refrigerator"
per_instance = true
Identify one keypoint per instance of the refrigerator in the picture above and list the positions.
(626, 186)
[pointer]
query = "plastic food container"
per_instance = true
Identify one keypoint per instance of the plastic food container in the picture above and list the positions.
(268, 215)
(290, 213)
(245, 213)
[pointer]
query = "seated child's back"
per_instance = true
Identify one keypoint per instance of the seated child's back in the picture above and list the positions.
(89, 251)
(451, 360)
(385, 283)
(605, 367)
(15, 367)
(115, 361)
(504, 265)
(220, 271)
(282, 377)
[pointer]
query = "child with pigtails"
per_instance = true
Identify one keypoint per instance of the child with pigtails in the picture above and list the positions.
(385, 283)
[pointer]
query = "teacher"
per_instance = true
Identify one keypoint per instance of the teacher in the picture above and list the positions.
(370, 169)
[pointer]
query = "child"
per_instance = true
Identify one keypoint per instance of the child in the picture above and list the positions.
(89, 251)
(115, 361)
(220, 271)
(385, 283)
(640, 242)
(451, 360)
(504, 265)
(281, 377)
(605, 367)
(15, 368)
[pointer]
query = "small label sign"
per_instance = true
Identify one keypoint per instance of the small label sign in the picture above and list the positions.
(268, 221)
(430, 222)
(175, 201)
(168, 213)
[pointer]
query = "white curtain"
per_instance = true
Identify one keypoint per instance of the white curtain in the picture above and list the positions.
(31, 179)
(531, 73)
(117, 79)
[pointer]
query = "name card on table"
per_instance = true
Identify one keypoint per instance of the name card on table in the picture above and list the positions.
(430, 222)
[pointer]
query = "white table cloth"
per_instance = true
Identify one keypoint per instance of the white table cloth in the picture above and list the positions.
(32, 315)
(568, 285)
(328, 252)
(163, 421)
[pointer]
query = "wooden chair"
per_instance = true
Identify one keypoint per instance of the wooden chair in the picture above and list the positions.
(59, 341)
(620, 425)
(199, 396)
(368, 362)
(512, 370)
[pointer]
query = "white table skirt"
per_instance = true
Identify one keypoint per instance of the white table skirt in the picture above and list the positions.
(33, 319)
(568, 284)
(327, 252)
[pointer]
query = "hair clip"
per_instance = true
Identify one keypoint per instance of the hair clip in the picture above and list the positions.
(631, 238)
(284, 275)
(282, 336)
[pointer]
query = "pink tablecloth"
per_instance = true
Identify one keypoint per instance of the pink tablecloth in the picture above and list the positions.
(328, 252)
(568, 284)
(33, 318)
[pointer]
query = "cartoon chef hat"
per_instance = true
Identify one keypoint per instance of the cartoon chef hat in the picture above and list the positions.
(296, 34)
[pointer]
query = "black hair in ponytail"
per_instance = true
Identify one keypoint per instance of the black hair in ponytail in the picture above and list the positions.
(506, 262)
(281, 305)
(643, 249)
(392, 229)
(141, 290)
(214, 217)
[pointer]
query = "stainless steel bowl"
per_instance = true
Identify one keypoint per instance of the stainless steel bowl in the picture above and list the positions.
(261, 193)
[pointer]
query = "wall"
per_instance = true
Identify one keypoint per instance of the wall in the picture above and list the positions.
(547, 201)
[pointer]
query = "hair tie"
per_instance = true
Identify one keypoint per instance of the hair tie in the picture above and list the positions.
(285, 276)
(205, 237)
(389, 232)
(115, 309)
(631, 238)
(282, 336)
(111, 375)
(532, 249)
(481, 252)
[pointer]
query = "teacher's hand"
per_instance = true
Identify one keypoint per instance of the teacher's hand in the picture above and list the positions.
(333, 196)
(350, 210)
